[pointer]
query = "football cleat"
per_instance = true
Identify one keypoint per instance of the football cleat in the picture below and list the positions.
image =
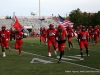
(82, 59)
(88, 55)
(68, 48)
(3, 56)
(48, 56)
(58, 62)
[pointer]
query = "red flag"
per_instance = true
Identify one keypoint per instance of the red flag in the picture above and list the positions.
(17, 24)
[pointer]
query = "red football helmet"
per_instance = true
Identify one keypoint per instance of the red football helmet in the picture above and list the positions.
(51, 25)
(60, 26)
(3, 26)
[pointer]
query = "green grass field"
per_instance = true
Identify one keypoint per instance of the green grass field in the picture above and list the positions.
(34, 60)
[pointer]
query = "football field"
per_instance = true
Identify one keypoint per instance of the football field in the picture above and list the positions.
(34, 60)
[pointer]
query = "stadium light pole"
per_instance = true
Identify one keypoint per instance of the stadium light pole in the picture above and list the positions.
(39, 9)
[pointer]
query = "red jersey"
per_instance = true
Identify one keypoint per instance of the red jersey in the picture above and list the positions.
(95, 32)
(19, 36)
(70, 33)
(51, 33)
(78, 31)
(83, 36)
(62, 35)
(43, 32)
(4, 35)
(90, 30)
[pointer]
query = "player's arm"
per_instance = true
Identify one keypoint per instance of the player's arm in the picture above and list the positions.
(56, 38)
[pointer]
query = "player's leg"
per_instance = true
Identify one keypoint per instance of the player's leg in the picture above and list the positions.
(86, 47)
(69, 45)
(78, 39)
(7, 46)
(20, 47)
(3, 51)
(49, 51)
(81, 50)
(44, 40)
(55, 46)
(61, 48)
(61, 54)
(49, 48)
(96, 40)
(16, 45)
(92, 37)
(40, 39)
(89, 37)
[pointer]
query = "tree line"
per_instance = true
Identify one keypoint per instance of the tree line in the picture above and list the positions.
(83, 18)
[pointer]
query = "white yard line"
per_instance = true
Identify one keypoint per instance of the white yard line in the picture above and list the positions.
(74, 57)
(89, 50)
(62, 60)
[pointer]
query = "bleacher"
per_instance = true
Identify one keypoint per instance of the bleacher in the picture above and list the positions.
(7, 22)
(34, 22)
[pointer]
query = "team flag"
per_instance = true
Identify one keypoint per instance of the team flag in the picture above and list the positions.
(17, 24)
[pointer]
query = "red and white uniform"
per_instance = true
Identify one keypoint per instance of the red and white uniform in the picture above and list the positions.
(69, 34)
(4, 36)
(96, 34)
(61, 36)
(18, 37)
(51, 39)
(83, 39)
(90, 31)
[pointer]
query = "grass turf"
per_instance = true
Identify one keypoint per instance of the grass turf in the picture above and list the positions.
(20, 65)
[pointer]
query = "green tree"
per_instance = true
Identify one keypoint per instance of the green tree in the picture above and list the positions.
(75, 16)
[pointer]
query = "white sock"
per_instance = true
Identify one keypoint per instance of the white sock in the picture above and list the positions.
(55, 52)
(49, 54)
(3, 53)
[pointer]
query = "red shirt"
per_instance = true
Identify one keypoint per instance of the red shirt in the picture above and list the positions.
(61, 36)
(78, 31)
(19, 36)
(4, 35)
(90, 30)
(95, 32)
(70, 33)
(43, 32)
(83, 36)
(51, 33)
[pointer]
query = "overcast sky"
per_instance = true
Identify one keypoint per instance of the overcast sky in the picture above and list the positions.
(48, 7)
